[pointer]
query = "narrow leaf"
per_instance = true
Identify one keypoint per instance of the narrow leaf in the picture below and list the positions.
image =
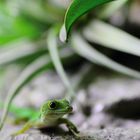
(53, 49)
(11, 52)
(25, 77)
(90, 53)
(111, 37)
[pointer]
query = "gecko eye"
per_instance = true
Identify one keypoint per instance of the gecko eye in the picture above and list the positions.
(52, 105)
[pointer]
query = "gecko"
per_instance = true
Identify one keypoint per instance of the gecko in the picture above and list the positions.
(51, 114)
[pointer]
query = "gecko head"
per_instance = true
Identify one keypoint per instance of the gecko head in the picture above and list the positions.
(54, 109)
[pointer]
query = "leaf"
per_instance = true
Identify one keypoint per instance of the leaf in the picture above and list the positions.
(15, 27)
(11, 52)
(53, 50)
(41, 64)
(25, 77)
(111, 37)
(87, 51)
(76, 9)
(21, 112)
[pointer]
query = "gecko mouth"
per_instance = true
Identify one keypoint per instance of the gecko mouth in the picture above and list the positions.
(69, 109)
(62, 112)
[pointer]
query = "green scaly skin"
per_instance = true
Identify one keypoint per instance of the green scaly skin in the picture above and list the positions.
(51, 114)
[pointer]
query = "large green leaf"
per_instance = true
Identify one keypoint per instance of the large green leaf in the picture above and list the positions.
(76, 9)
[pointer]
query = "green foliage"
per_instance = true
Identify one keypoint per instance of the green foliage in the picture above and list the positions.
(76, 9)
(15, 27)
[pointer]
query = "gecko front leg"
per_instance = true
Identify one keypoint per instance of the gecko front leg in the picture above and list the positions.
(51, 114)
(72, 128)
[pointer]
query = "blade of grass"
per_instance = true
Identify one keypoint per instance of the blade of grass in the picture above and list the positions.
(41, 64)
(91, 54)
(111, 37)
(25, 77)
(17, 50)
(53, 50)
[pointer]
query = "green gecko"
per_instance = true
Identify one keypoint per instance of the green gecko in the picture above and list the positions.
(51, 114)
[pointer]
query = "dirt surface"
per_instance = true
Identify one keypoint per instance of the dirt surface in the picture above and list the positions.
(107, 109)
(105, 134)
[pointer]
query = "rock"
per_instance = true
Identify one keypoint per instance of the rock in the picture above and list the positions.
(104, 134)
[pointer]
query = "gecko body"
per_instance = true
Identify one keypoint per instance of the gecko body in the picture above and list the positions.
(51, 114)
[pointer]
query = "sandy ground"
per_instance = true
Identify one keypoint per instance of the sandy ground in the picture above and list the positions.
(107, 109)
